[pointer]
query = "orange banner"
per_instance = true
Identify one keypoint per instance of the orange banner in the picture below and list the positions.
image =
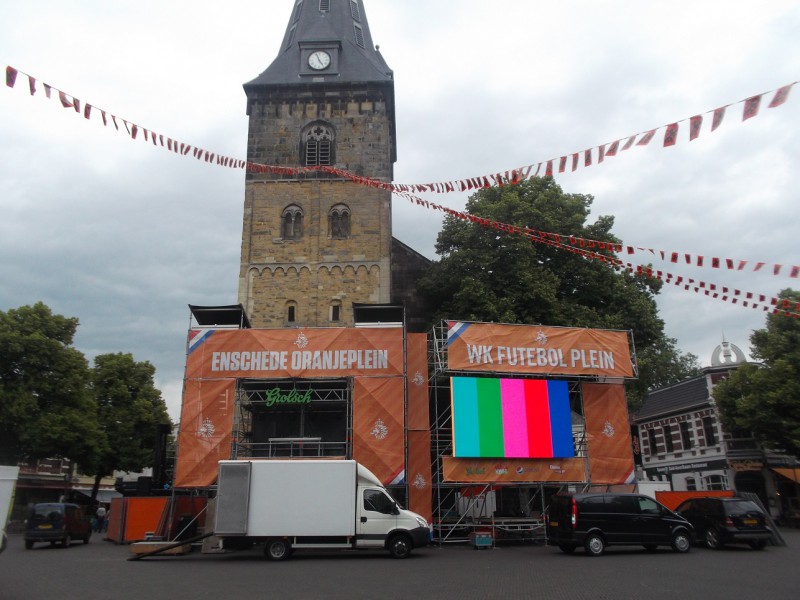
(378, 427)
(204, 437)
(418, 402)
(522, 470)
(419, 473)
(608, 433)
(301, 353)
(487, 347)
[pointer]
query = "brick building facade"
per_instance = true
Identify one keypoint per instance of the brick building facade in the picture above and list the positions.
(314, 244)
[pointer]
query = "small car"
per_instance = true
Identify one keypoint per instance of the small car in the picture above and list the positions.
(720, 521)
(595, 520)
(57, 522)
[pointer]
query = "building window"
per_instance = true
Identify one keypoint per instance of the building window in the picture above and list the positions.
(668, 438)
(651, 440)
(354, 10)
(359, 35)
(292, 223)
(691, 484)
(715, 482)
(336, 311)
(708, 430)
(324, 5)
(686, 435)
(339, 222)
(291, 312)
(318, 142)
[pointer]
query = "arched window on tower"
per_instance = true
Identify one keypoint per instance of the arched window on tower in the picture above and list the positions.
(292, 222)
(317, 142)
(336, 311)
(291, 312)
(339, 222)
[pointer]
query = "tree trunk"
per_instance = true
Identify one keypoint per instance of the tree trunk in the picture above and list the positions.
(95, 487)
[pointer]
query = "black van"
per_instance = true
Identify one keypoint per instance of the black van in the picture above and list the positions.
(57, 522)
(597, 520)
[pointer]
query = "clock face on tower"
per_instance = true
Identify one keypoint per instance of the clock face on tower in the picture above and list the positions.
(319, 60)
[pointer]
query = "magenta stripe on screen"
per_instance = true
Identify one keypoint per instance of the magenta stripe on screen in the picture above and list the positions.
(515, 427)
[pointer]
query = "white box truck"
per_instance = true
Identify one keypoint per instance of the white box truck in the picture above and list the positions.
(295, 504)
(8, 479)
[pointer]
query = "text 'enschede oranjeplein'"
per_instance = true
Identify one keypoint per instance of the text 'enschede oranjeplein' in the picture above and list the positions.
(300, 360)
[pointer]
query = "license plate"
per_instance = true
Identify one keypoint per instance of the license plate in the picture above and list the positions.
(46, 526)
(553, 523)
(750, 522)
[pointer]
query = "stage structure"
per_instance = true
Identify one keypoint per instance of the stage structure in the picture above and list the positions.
(518, 412)
(349, 392)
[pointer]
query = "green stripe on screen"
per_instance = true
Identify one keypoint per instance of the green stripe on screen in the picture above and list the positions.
(490, 418)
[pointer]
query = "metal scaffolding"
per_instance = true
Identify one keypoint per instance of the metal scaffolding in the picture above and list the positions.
(507, 512)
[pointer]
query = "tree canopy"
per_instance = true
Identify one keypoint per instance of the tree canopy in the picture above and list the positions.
(494, 276)
(130, 409)
(46, 409)
(764, 400)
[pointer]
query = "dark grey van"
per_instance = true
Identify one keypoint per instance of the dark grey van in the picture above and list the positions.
(57, 522)
(597, 520)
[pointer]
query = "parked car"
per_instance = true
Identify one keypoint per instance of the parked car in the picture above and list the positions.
(597, 520)
(57, 522)
(720, 521)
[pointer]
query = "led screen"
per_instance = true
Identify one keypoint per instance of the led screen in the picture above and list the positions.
(511, 418)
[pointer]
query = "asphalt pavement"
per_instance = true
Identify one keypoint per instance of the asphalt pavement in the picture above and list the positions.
(100, 570)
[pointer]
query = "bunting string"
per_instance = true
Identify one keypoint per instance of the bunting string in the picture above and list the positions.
(587, 248)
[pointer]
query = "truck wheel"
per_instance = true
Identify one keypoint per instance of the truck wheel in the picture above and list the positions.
(277, 549)
(681, 542)
(399, 546)
(566, 548)
(594, 545)
(28, 544)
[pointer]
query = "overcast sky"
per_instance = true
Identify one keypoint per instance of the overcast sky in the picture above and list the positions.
(124, 235)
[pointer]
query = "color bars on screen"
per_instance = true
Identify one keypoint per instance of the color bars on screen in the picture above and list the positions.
(511, 418)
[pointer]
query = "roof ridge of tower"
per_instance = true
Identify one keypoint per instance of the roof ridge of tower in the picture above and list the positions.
(336, 28)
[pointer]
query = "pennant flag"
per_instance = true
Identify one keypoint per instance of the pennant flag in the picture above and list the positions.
(629, 143)
(587, 158)
(612, 148)
(671, 135)
(719, 114)
(694, 126)
(751, 106)
(646, 138)
(32, 85)
(780, 96)
(64, 100)
(11, 76)
(574, 161)
(562, 164)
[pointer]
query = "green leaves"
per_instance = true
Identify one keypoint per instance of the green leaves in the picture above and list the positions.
(53, 405)
(489, 275)
(764, 400)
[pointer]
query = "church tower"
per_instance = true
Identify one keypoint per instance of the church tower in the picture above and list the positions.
(313, 244)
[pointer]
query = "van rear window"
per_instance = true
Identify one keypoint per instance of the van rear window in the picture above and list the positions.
(47, 513)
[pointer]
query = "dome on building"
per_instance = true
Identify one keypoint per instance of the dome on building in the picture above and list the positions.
(727, 354)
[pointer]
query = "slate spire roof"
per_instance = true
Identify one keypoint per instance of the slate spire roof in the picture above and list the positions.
(339, 25)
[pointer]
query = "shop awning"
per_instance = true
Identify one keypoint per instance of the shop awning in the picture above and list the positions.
(793, 474)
